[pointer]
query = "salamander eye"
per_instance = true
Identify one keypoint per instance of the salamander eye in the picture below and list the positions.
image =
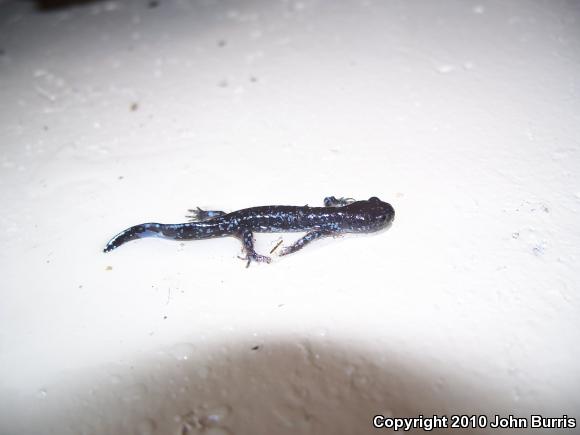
(374, 199)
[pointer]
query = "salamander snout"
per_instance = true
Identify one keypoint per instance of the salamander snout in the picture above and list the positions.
(383, 212)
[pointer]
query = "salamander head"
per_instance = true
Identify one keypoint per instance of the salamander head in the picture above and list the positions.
(369, 216)
(382, 213)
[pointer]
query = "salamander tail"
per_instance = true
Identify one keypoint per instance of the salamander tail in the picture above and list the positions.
(135, 232)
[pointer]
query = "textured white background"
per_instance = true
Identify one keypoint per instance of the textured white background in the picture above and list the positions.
(464, 115)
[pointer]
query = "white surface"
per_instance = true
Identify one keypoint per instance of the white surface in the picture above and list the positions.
(463, 115)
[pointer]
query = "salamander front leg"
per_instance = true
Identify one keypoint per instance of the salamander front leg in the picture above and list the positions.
(199, 215)
(300, 243)
(247, 238)
(331, 201)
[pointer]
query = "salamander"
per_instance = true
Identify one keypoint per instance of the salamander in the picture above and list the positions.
(338, 216)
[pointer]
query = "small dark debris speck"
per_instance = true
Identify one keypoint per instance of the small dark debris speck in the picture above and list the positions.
(134, 107)
(120, 177)
(256, 347)
(253, 79)
(222, 43)
(164, 317)
(109, 268)
(223, 84)
(152, 4)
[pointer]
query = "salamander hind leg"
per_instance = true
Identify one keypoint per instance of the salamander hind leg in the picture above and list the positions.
(302, 242)
(331, 201)
(199, 215)
(247, 238)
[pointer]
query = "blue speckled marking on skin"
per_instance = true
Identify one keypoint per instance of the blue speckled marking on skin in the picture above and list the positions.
(339, 215)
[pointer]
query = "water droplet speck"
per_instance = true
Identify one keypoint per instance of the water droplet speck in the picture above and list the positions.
(182, 351)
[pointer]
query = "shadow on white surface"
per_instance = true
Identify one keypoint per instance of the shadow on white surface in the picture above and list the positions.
(281, 386)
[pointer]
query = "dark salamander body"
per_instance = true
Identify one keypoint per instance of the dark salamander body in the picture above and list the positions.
(342, 215)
